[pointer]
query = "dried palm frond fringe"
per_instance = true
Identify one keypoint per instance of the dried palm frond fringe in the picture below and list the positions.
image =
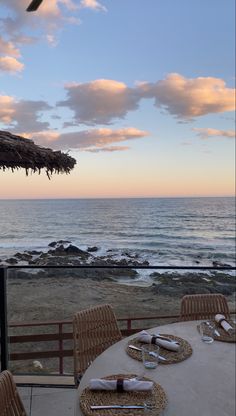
(18, 152)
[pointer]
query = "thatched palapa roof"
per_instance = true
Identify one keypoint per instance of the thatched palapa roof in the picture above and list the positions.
(18, 152)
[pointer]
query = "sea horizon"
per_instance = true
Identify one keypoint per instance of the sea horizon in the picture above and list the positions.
(118, 197)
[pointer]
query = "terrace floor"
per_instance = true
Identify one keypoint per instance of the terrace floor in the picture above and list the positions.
(48, 401)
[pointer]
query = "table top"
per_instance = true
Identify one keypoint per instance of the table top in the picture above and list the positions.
(202, 385)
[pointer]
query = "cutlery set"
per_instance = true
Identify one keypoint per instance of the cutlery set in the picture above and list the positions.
(151, 353)
(145, 406)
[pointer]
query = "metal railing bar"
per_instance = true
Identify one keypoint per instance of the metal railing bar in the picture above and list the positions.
(115, 266)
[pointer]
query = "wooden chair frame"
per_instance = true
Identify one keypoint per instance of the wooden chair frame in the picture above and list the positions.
(203, 306)
(10, 401)
(94, 330)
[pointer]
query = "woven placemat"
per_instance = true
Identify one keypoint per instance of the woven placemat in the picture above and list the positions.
(224, 336)
(171, 357)
(156, 398)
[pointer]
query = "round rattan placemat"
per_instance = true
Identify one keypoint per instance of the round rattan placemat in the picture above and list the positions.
(224, 336)
(171, 357)
(156, 398)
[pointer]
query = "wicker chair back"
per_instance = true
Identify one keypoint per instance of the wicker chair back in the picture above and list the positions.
(203, 306)
(94, 330)
(10, 401)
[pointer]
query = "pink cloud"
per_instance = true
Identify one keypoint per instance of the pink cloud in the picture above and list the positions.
(88, 140)
(102, 101)
(205, 133)
(10, 64)
(187, 98)
(93, 5)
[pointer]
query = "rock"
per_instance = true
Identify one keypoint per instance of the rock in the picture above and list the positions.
(34, 252)
(23, 256)
(219, 264)
(92, 249)
(63, 242)
(73, 250)
(52, 244)
(11, 261)
(56, 243)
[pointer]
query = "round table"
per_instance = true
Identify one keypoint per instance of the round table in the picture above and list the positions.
(202, 385)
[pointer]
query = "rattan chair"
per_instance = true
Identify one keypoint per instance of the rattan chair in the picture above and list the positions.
(203, 306)
(94, 330)
(10, 401)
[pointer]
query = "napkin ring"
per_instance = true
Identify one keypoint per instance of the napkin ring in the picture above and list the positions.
(153, 340)
(120, 385)
(221, 320)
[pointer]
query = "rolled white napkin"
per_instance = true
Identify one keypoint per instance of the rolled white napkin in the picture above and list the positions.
(128, 385)
(220, 319)
(144, 336)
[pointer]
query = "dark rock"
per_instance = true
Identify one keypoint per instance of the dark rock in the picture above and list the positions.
(92, 249)
(56, 243)
(63, 242)
(11, 261)
(23, 256)
(219, 264)
(34, 252)
(73, 250)
(52, 244)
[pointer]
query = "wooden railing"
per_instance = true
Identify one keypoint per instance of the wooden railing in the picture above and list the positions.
(59, 335)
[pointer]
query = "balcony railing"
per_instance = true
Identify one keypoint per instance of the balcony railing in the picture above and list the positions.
(59, 329)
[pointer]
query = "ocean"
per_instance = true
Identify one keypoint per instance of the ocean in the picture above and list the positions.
(164, 231)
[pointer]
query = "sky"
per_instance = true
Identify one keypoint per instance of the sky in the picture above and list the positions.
(140, 92)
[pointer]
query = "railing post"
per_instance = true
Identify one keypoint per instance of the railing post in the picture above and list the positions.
(129, 323)
(61, 369)
(3, 318)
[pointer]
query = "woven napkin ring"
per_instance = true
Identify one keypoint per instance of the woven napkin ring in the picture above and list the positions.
(221, 320)
(120, 385)
(153, 340)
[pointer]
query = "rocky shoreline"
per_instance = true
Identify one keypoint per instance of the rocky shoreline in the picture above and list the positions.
(56, 294)
(169, 285)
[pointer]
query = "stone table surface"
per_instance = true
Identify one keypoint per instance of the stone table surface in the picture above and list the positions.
(202, 385)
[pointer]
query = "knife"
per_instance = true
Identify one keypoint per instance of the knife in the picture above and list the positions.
(118, 406)
(132, 347)
(216, 333)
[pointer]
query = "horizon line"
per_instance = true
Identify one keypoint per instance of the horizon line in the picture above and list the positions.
(117, 197)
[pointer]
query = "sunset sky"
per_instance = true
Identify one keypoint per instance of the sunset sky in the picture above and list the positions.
(141, 93)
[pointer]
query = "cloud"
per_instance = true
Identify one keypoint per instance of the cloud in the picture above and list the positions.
(23, 115)
(8, 48)
(92, 4)
(10, 64)
(205, 133)
(102, 101)
(88, 140)
(6, 109)
(188, 98)
(49, 19)
(108, 149)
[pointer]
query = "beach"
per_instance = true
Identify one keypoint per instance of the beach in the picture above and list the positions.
(60, 297)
